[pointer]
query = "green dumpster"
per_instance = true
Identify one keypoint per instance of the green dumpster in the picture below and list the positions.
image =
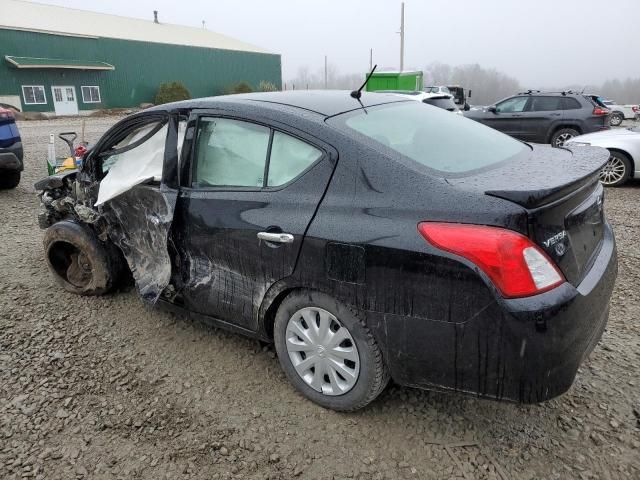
(396, 81)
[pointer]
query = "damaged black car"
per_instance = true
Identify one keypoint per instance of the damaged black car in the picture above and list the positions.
(370, 239)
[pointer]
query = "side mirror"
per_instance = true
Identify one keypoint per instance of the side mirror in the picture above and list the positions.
(492, 109)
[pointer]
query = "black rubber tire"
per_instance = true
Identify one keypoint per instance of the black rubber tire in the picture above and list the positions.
(627, 169)
(616, 119)
(9, 180)
(79, 260)
(373, 376)
(563, 131)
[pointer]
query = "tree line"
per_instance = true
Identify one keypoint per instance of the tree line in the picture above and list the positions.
(488, 85)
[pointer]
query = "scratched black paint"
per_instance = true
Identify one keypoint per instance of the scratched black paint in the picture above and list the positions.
(438, 319)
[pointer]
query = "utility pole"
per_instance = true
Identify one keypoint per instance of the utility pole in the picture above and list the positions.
(402, 37)
(326, 74)
(370, 59)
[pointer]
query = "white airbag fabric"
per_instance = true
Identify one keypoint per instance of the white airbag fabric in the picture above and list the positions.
(140, 165)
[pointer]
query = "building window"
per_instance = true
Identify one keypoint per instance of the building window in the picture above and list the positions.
(34, 95)
(91, 94)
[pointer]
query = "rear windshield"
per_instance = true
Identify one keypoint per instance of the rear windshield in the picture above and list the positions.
(431, 136)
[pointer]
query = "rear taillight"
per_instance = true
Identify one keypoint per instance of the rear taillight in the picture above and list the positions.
(635, 108)
(515, 265)
(601, 111)
(6, 113)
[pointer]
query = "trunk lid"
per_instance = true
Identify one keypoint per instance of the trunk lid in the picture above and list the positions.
(560, 190)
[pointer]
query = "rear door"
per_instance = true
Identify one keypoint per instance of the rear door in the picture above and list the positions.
(541, 114)
(250, 193)
(508, 116)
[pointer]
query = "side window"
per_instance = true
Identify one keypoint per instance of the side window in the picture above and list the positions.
(545, 104)
(289, 158)
(230, 153)
(569, 103)
(512, 105)
(143, 145)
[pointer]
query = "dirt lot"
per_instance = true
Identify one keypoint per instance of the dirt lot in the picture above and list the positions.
(107, 388)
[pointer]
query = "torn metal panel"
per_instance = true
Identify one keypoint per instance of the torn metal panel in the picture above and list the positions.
(139, 221)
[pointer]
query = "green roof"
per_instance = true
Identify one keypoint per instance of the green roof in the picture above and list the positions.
(33, 62)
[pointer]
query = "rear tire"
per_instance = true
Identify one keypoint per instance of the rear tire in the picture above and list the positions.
(561, 136)
(9, 180)
(79, 261)
(616, 171)
(616, 119)
(353, 372)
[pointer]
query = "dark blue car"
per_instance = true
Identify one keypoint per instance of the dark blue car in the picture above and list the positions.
(10, 150)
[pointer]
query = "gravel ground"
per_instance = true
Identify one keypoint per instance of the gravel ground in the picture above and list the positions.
(107, 388)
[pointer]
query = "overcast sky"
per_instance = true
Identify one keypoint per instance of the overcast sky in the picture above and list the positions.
(541, 42)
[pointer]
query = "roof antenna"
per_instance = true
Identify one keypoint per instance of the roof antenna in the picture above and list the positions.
(358, 93)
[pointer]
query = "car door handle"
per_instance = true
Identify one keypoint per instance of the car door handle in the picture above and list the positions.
(275, 237)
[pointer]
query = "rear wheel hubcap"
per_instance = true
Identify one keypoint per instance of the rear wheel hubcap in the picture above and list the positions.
(563, 138)
(322, 351)
(613, 171)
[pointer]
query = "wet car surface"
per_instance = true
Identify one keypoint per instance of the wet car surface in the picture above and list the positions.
(352, 251)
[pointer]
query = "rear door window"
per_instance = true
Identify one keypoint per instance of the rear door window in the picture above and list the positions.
(236, 153)
(569, 103)
(545, 104)
(289, 158)
(230, 153)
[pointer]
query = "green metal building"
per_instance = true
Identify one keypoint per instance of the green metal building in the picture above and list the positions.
(68, 61)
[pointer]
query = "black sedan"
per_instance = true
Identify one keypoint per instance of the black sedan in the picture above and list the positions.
(369, 239)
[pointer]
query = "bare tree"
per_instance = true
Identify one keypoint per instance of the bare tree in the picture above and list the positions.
(488, 84)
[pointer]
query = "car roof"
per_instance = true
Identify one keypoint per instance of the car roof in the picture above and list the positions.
(324, 102)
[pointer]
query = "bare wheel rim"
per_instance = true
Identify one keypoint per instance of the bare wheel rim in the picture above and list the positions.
(613, 171)
(616, 120)
(322, 351)
(563, 138)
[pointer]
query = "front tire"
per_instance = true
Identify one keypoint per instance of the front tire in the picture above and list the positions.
(563, 135)
(80, 262)
(9, 180)
(616, 171)
(327, 352)
(616, 119)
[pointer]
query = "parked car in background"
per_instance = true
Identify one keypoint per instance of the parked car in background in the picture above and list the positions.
(11, 151)
(459, 94)
(441, 89)
(439, 100)
(619, 113)
(624, 153)
(369, 238)
(544, 117)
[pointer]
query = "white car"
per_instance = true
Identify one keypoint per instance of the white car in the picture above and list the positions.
(440, 100)
(624, 150)
(621, 112)
(440, 89)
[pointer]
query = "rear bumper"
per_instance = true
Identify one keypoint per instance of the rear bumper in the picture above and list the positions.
(526, 350)
(11, 157)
